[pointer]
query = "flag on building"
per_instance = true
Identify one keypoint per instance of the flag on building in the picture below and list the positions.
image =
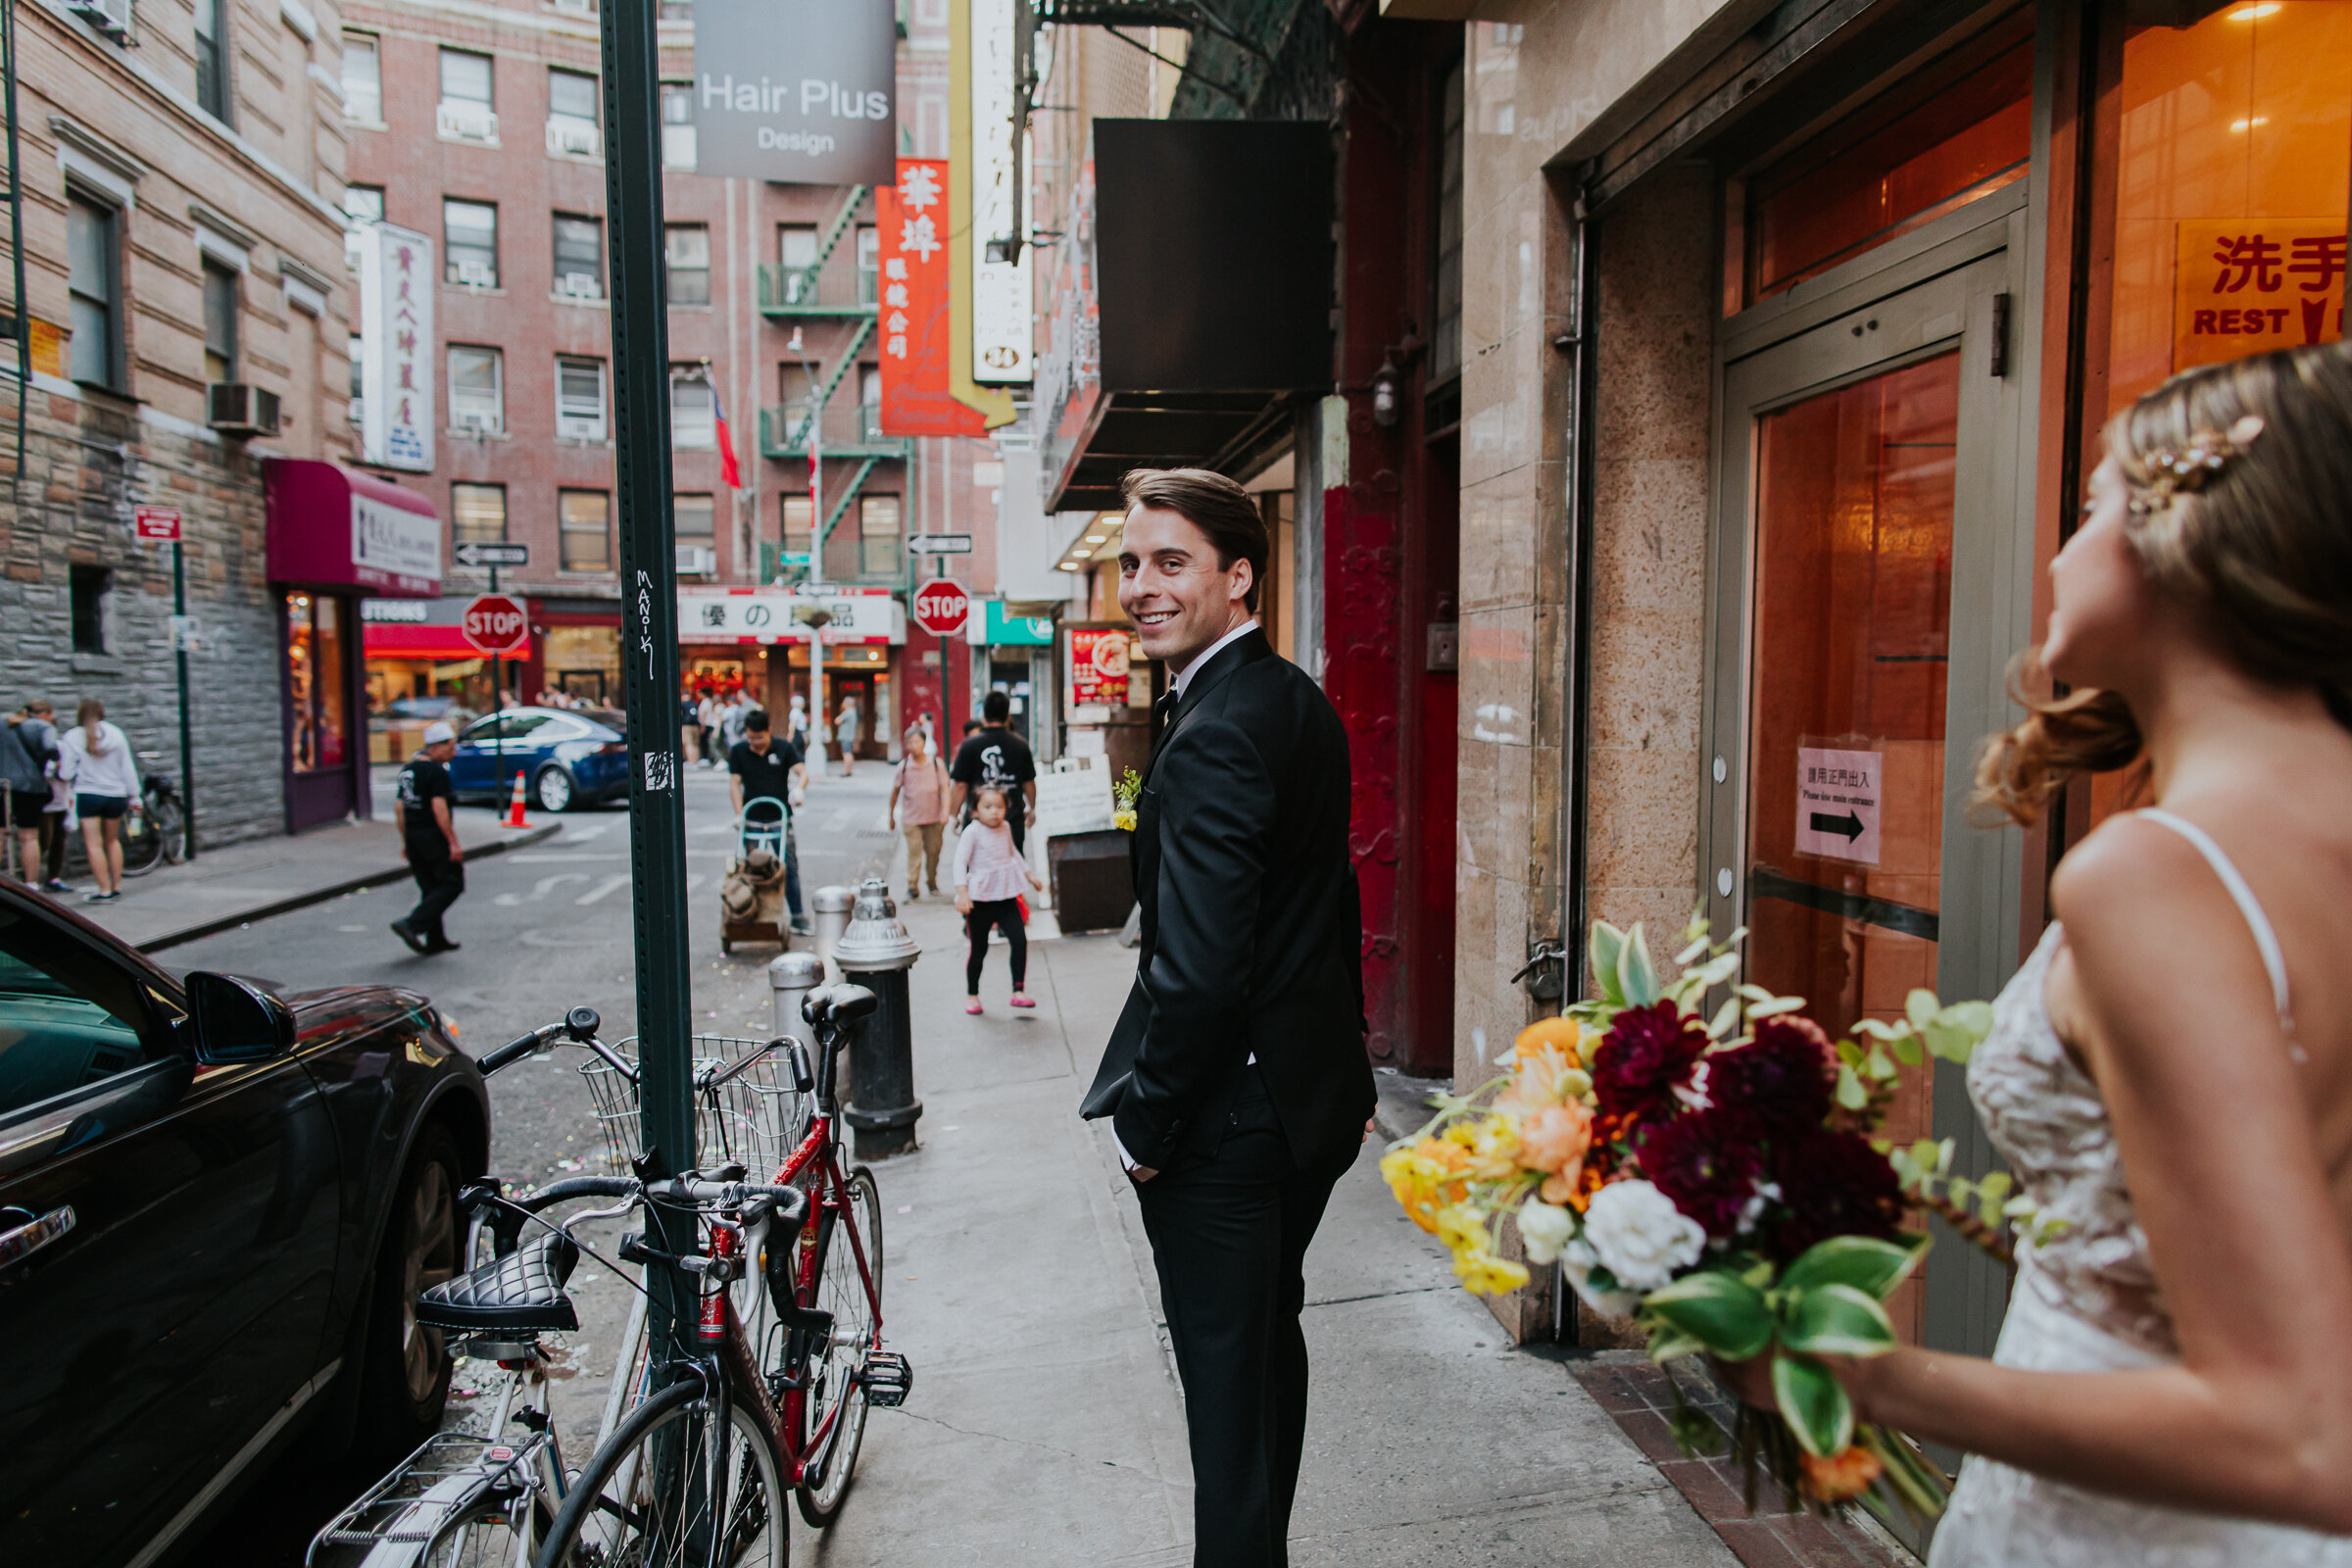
(728, 470)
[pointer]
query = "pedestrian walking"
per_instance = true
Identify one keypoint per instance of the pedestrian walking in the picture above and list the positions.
(690, 728)
(764, 769)
(39, 730)
(707, 711)
(845, 729)
(732, 718)
(992, 757)
(430, 838)
(24, 799)
(918, 799)
(1235, 1080)
(796, 723)
(95, 757)
(989, 874)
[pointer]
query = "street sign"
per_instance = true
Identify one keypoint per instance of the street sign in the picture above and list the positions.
(475, 553)
(940, 544)
(157, 524)
(941, 606)
(186, 637)
(495, 624)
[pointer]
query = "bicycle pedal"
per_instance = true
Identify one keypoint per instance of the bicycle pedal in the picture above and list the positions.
(888, 1379)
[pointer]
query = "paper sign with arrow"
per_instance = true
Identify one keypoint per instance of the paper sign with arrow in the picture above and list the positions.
(1838, 798)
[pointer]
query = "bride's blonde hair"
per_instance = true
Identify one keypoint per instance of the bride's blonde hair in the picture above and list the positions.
(2260, 544)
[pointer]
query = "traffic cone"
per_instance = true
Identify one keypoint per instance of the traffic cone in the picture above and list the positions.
(515, 816)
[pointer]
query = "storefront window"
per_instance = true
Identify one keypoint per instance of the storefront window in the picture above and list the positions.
(316, 683)
(583, 662)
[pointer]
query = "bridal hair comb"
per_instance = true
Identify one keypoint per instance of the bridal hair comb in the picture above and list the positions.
(2207, 454)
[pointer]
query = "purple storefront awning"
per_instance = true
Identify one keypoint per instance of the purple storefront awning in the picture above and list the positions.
(329, 527)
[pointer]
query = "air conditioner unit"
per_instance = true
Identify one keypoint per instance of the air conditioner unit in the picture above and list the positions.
(477, 273)
(234, 409)
(579, 429)
(697, 560)
(110, 16)
(580, 286)
(577, 137)
(576, 8)
(466, 121)
(480, 421)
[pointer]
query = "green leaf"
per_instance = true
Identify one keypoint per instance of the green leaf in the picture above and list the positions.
(1667, 1342)
(1605, 945)
(1921, 1006)
(1813, 1404)
(1951, 1043)
(1865, 1263)
(1725, 1017)
(1720, 1311)
(1877, 1030)
(1850, 1093)
(1992, 1193)
(1776, 1006)
(1637, 976)
(1906, 1047)
(1878, 1066)
(1837, 1320)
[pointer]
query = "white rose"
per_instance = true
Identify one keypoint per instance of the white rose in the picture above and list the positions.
(1640, 1236)
(1544, 1229)
(1577, 1263)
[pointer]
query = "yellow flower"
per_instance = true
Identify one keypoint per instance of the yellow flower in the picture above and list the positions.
(1464, 1232)
(1494, 1147)
(1425, 1178)
(1124, 821)
(1487, 1275)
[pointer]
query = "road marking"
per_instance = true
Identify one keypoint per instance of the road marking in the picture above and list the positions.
(575, 833)
(608, 885)
(546, 885)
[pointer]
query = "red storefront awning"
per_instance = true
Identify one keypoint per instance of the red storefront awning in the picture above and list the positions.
(330, 527)
(418, 642)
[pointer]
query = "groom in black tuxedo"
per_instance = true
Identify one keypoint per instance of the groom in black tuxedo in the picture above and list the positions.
(1234, 1081)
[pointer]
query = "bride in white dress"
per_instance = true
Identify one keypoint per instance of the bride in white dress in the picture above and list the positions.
(2170, 1074)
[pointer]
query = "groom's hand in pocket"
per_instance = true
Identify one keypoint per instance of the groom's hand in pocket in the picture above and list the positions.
(1141, 1173)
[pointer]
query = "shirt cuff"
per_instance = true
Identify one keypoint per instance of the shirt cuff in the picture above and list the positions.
(1125, 1158)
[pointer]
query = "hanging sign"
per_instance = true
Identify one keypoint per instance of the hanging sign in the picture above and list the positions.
(1837, 800)
(912, 216)
(396, 349)
(1004, 309)
(801, 93)
(1099, 665)
(2243, 285)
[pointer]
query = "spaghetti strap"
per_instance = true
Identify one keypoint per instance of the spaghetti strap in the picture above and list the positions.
(2265, 938)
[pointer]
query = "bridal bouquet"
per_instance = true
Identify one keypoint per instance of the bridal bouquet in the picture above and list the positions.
(1717, 1179)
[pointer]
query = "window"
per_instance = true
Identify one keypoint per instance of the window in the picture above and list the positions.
(318, 735)
(87, 588)
(466, 113)
(572, 95)
(366, 203)
(870, 264)
(477, 513)
(696, 517)
(71, 1018)
(95, 284)
(219, 322)
(796, 249)
(478, 393)
(678, 9)
(677, 125)
(358, 375)
(686, 253)
(362, 78)
(869, 401)
(585, 516)
(878, 536)
(212, 58)
(798, 510)
(693, 412)
(469, 242)
(580, 399)
(579, 256)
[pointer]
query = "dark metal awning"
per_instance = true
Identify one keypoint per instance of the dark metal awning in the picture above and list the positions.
(1232, 432)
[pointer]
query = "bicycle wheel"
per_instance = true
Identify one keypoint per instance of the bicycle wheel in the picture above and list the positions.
(143, 845)
(836, 1391)
(661, 1492)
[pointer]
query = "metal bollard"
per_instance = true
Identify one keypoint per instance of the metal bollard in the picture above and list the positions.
(875, 953)
(791, 976)
(829, 912)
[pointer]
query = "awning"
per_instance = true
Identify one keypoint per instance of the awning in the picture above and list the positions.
(400, 641)
(330, 527)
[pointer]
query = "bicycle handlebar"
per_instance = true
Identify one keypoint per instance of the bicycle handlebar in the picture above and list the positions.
(579, 1026)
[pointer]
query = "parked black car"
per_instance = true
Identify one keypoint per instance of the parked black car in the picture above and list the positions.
(216, 1207)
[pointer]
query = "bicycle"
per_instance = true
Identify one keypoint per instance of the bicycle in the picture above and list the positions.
(154, 830)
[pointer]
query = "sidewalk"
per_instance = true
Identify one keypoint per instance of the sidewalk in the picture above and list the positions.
(1045, 1426)
(263, 877)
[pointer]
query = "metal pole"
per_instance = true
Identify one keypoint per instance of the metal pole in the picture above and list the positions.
(180, 655)
(648, 620)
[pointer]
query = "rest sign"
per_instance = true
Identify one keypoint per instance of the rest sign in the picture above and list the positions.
(1837, 799)
(940, 607)
(497, 623)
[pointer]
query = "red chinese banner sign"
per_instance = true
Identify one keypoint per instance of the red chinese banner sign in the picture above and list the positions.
(2244, 286)
(1099, 665)
(913, 308)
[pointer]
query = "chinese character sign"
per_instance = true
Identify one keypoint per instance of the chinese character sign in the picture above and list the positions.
(914, 307)
(799, 91)
(1003, 297)
(1099, 665)
(2243, 285)
(397, 278)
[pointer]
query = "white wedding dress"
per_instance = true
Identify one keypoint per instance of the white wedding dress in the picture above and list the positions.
(2087, 1300)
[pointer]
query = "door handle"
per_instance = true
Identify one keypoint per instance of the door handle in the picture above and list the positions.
(22, 1242)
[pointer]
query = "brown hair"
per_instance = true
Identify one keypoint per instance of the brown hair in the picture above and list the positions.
(1212, 504)
(2259, 545)
(89, 716)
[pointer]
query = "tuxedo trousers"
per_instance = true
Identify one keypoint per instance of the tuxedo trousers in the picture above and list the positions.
(1229, 1238)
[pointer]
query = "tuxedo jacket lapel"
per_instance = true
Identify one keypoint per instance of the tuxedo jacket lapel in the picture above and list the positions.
(1232, 657)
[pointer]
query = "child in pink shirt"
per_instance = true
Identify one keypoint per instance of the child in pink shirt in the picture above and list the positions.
(989, 874)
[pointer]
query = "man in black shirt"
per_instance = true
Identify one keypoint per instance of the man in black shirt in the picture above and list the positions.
(430, 840)
(762, 768)
(996, 758)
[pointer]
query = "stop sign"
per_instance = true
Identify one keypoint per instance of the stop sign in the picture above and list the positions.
(497, 624)
(941, 606)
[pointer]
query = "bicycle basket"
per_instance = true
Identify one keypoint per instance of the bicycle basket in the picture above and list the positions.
(755, 1118)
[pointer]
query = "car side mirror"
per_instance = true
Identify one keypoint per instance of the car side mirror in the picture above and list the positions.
(237, 1020)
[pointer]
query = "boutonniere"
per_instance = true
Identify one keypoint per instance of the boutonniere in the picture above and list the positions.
(1122, 801)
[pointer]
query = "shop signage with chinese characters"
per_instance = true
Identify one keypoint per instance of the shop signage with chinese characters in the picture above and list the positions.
(396, 349)
(2244, 286)
(797, 91)
(831, 616)
(1098, 666)
(913, 220)
(1004, 309)
(1837, 802)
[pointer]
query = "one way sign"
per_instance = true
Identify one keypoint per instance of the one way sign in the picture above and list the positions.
(476, 553)
(1838, 798)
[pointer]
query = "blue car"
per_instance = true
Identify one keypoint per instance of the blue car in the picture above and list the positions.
(567, 757)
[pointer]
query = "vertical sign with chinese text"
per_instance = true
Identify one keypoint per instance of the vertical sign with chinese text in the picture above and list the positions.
(914, 306)
(2244, 286)
(396, 348)
(1003, 299)
(1099, 665)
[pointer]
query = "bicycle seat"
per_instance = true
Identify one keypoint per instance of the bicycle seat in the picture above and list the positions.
(842, 1004)
(522, 1291)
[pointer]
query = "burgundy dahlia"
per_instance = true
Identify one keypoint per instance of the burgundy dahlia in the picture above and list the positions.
(1707, 1162)
(1784, 1077)
(1647, 1053)
(1832, 1184)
